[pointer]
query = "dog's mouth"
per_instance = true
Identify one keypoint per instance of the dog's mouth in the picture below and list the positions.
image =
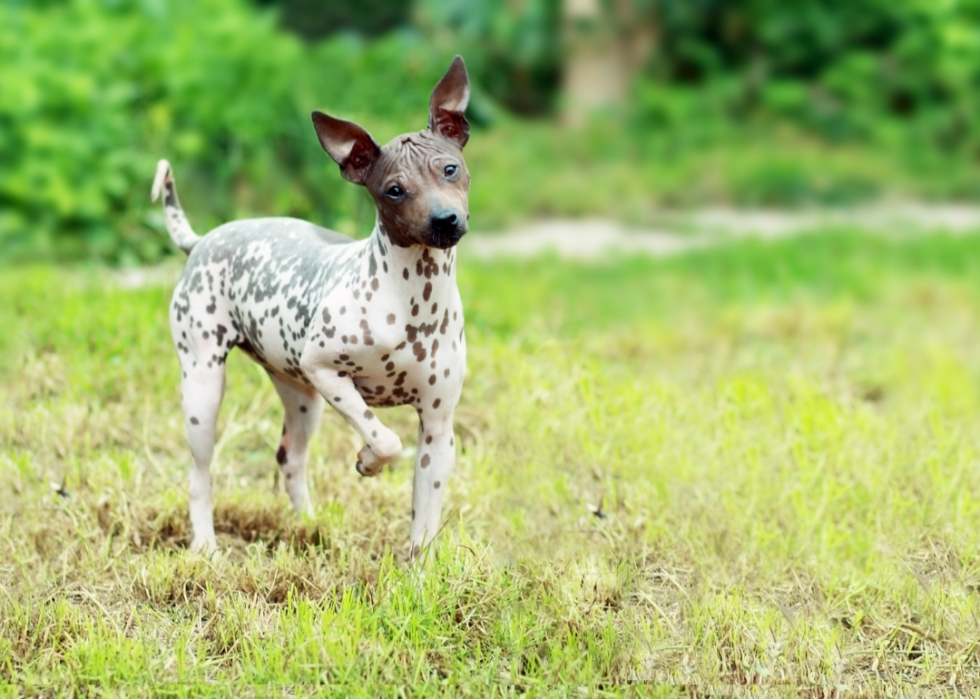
(443, 240)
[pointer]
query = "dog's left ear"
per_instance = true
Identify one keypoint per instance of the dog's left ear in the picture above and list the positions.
(448, 103)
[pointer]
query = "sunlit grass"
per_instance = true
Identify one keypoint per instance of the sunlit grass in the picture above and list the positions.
(755, 464)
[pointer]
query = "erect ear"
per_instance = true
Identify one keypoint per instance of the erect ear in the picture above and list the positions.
(349, 145)
(448, 103)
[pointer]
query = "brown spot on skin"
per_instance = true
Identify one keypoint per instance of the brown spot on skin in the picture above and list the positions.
(344, 339)
(368, 338)
(446, 373)
(413, 513)
(428, 439)
(401, 378)
(195, 421)
(418, 267)
(374, 284)
(432, 380)
(415, 310)
(452, 441)
(357, 293)
(367, 296)
(435, 307)
(437, 485)
(343, 310)
(435, 347)
(374, 433)
(405, 273)
(437, 402)
(281, 455)
(345, 357)
(425, 461)
(401, 345)
(302, 408)
(368, 415)
(336, 399)
(427, 291)
(389, 366)
(391, 319)
(445, 323)
(385, 358)
(433, 365)
(419, 351)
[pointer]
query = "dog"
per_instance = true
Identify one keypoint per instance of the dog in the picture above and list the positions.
(355, 324)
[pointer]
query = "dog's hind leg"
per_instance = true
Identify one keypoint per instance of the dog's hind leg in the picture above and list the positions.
(304, 406)
(202, 389)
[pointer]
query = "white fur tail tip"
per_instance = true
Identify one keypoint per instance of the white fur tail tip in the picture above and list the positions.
(177, 225)
(163, 172)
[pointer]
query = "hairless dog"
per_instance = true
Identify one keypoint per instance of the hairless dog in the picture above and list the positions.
(356, 324)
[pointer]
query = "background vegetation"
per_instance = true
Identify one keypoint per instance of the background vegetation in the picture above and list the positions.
(751, 102)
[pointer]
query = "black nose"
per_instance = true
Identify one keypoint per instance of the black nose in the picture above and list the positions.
(444, 222)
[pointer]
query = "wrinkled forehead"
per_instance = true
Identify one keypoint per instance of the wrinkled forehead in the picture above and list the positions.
(414, 152)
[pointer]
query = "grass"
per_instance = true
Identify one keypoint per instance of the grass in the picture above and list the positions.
(754, 465)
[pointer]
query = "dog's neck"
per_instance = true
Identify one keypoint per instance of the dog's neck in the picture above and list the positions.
(408, 264)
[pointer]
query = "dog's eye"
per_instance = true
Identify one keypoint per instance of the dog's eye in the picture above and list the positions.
(450, 170)
(395, 192)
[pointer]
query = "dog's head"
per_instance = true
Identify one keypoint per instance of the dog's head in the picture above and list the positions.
(419, 180)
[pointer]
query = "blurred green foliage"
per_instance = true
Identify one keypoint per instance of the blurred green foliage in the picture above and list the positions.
(95, 91)
(752, 102)
(897, 73)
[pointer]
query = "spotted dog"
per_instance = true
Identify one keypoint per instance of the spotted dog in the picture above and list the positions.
(356, 324)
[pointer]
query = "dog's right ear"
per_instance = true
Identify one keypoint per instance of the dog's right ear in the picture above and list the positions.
(349, 145)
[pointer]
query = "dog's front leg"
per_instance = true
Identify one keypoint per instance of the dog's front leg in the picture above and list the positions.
(381, 444)
(434, 462)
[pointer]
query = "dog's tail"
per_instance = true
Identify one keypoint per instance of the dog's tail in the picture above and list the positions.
(177, 225)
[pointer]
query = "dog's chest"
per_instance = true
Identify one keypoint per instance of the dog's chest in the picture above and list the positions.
(398, 335)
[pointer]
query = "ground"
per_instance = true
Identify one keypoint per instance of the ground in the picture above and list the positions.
(753, 464)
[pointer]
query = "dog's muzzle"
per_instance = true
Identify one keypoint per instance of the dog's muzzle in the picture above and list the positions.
(445, 230)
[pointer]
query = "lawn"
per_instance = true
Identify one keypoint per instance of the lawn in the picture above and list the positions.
(756, 464)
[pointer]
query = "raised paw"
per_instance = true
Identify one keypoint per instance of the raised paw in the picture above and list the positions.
(368, 473)
(372, 459)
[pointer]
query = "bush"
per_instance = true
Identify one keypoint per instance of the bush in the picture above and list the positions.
(95, 91)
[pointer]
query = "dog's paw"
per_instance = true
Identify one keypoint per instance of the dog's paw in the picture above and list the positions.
(368, 472)
(384, 449)
(206, 546)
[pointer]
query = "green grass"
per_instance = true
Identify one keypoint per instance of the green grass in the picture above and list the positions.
(751, 465)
